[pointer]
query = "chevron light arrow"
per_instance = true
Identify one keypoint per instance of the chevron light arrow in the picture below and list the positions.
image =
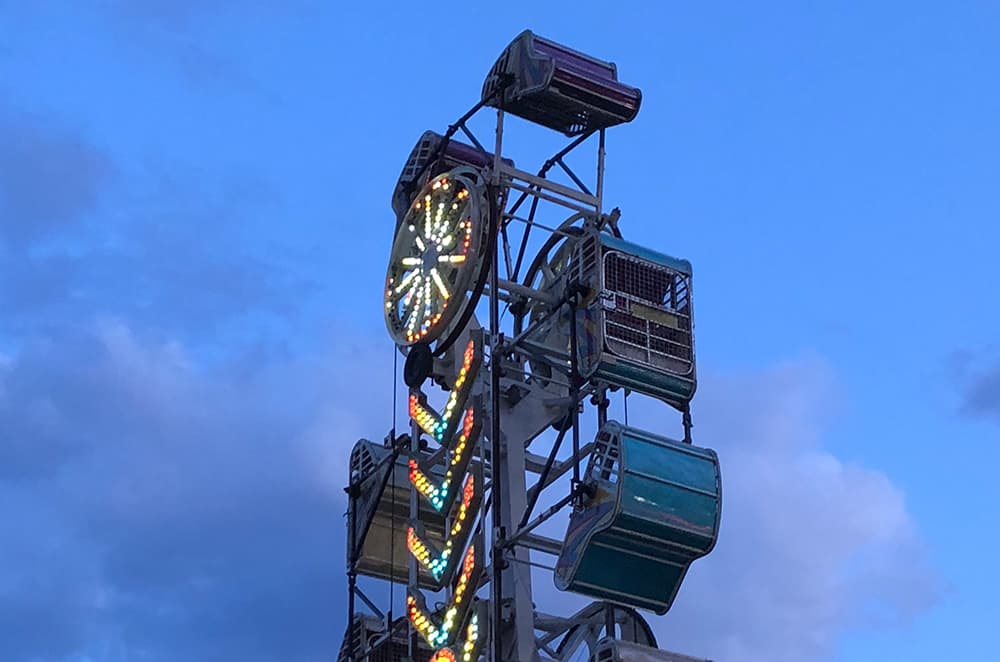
(441, 494)
(442, 426)
(468, 649)
(443, 630)
(441, 562)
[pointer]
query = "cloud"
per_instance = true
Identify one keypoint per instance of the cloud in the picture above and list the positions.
(47, 582)
(161, 510)
(184, 14)
(810, 547)
(185, 34)
(177, 253)
(980, 388)
(165, 509)
(50, 178)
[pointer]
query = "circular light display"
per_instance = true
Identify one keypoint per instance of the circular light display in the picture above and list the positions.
(435, 258)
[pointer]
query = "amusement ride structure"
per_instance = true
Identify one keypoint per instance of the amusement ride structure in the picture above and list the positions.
(453, 508)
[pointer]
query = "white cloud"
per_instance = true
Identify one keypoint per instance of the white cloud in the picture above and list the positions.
(810, 545)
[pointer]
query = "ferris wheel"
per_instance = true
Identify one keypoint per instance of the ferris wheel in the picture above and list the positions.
(520, 309)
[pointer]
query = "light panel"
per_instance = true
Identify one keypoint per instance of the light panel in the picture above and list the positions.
(439, 493)
(443, 426)
(466, 650)
(442, 630)
(434, 260)
(440, 562)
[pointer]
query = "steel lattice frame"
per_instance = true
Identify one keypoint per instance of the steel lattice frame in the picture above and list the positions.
(518, 408)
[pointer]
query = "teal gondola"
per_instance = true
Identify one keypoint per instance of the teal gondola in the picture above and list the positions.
(634, 322)
(637, 329)
(655, 508)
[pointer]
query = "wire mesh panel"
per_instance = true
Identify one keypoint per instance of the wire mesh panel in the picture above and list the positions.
(636, 329)
(603, 466)
(634, 324)
(647, 312)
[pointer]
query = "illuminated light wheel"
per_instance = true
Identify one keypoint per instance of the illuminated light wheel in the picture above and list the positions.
(436, 268)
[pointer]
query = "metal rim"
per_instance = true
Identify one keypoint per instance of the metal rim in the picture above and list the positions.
(586, 635)
(436, 258)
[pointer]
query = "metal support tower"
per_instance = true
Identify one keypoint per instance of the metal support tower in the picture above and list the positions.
(525, 386)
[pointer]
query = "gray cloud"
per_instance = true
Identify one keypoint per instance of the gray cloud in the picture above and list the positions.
(980, 386)
(47, 578)
(177, 253)
(184, 34)
(196, 514)
(50, 177)
(185, 14)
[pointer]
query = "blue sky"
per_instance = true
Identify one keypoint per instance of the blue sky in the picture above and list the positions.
(194, 223)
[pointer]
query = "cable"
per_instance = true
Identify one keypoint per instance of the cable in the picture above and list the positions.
(395, 388)
(392, 503)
